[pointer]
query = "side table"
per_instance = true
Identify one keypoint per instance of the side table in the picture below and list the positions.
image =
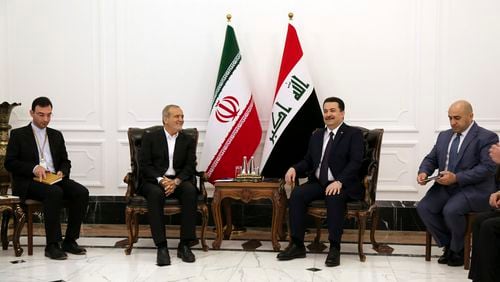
(246, 192)
(10, 205)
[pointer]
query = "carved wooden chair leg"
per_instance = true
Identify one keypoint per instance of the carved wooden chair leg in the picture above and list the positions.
(361, 235)
(204, 222)
(130, 225)
(19, 219)
(317, 246)
(381, 248)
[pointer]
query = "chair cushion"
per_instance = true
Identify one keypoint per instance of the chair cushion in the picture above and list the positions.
(141, 202)
(32, 202)
(353, 205)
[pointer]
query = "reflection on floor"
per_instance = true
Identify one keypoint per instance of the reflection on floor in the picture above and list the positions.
(105, 262)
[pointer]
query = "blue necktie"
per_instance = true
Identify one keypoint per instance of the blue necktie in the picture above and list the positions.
(323, 170)
(453, 154)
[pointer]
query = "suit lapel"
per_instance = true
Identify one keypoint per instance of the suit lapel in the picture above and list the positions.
(468, 138)
(53, 145)
(164, 142)
(177, 148)
(31, 136)
(444, 155)
(339, 135)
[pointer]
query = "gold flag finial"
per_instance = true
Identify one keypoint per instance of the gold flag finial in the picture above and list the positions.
(228, 17)
(290, 16)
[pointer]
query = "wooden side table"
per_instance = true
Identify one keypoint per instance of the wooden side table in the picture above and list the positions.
(10, 205)
(246, 192)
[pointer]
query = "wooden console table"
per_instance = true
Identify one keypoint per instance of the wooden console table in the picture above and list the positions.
(10, 206)
(246, 192)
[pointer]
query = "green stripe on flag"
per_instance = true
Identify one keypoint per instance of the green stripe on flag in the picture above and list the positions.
(230, 59)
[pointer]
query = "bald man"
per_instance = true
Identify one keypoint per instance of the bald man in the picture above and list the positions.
(466, 180)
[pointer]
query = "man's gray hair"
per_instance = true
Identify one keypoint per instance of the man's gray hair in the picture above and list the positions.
(166, 110)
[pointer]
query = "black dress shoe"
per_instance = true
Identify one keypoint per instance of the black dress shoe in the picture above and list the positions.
(443, 259)
(184, 253)
(333, 258)
(291, 252)
(455, 259)
(53, 251)
(162, 256)
(70, 246)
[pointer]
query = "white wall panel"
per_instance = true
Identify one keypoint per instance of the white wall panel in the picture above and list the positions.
(88, 161)
(111, 65)
(53, 51)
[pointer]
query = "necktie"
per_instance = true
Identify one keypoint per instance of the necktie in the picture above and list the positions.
(323, 170)
(453, 154)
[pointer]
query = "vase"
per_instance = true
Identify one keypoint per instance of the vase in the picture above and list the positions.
(5, 110)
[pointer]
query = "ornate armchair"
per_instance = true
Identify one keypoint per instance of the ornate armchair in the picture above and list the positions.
(136, 204)
(361, 209)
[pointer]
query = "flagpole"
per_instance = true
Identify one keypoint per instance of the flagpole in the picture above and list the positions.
(290, 16)
(228, 17)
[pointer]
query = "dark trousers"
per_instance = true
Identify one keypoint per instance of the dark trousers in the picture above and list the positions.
(485, 265)
(187, 194)
(443, 211)
(52, 197)
(299, 200)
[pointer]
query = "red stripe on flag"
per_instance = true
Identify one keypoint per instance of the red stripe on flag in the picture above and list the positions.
(291, 56)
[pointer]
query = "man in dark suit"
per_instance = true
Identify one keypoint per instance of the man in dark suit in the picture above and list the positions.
(167, 162)
(332, 163)
(485, 261)
(466, 179)
(34, 150)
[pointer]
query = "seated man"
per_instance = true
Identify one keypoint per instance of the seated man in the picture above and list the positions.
(167, 161)
(333, 160)
(485, 264)
(34, 150)
(466, 179)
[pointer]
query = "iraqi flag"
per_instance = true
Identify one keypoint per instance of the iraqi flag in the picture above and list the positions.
(233, 129)
(296, 112)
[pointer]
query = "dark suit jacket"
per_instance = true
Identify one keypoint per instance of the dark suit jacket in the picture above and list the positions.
(153, 157)
(475, 170)
(344, 162)
(22, 156)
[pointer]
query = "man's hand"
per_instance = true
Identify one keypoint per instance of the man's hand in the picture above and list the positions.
(421, 178)
(40, 172)
(168, 185)
(447, 178)
(60, 174)
(495, 200)
(495, 153)
(290, 175)
(333, 188)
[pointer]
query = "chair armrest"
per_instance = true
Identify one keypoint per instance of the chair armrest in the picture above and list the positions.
(202, 179)
(129, 179)
(369, 183)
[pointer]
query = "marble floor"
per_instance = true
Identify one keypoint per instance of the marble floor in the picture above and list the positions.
(105, 262)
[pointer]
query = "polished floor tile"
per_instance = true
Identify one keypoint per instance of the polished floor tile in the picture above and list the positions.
(104, 262)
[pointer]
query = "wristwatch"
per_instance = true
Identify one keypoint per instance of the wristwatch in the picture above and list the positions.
(177, 181)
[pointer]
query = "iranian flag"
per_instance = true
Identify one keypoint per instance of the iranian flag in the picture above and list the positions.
(233, 129)
(296, 112)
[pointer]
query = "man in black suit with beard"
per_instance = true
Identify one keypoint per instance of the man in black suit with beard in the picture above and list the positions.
(332, 162)
(34, 150)
(167, 162)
